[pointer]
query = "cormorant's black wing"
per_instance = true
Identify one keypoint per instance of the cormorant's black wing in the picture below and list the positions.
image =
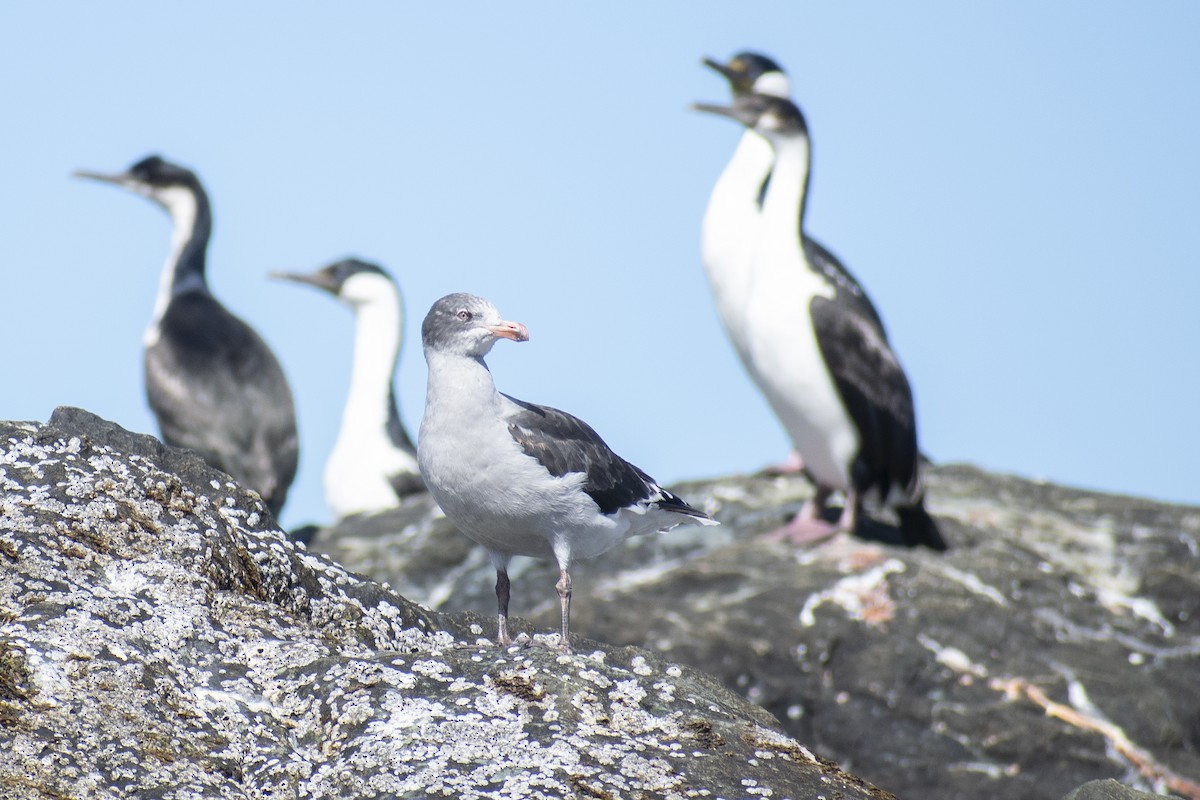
(875, 392)
(847, 286)
(216, 388)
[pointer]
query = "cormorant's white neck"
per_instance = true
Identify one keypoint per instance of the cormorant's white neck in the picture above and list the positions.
(750, 165)
(773, 83)
(184, 267)
(788, 189)
(377, 335)
(365, 458)
(730, 230)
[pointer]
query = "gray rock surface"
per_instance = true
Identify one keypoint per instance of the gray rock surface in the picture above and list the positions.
(160, 638)
(1107, 790)
(1058, 642)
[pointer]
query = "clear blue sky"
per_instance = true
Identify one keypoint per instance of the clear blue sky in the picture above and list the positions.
(1016, 184)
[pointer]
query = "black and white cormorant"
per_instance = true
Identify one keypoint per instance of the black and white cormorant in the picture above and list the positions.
(374, 462)
(730, 227)
(821, 359)
(212, 382)
(520, 478)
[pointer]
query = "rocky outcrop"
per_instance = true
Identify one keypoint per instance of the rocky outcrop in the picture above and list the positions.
(1058, 642)
(1107, 790)
(160, 638)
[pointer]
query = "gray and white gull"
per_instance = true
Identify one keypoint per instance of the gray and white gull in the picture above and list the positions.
(520, 478)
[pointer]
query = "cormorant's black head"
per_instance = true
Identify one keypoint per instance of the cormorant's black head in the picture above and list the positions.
(155, 171)
(351, 280)
(771, 116)
(169, 185)
(753, 73)
(467, 325)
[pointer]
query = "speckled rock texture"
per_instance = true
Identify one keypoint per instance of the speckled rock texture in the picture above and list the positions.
(1058, 642)
(1107, 790)
(160, 638)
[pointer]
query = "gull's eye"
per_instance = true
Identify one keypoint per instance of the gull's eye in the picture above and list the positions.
(464, 315)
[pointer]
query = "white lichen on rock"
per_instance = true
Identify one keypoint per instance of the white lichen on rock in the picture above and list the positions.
(166, 638)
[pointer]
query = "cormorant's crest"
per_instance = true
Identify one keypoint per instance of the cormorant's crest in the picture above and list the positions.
(154, 170)
(341, 271)
(763, 112)
(753, 65)
(333, 278)
(779, 114)
(749, 72)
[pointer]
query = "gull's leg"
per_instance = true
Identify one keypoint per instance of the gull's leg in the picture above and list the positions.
(502, 592)
(564, 599)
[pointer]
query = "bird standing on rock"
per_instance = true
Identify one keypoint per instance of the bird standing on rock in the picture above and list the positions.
(373, 464)
(730, 229)
(819, 354)
(212, 382)
(520, 478)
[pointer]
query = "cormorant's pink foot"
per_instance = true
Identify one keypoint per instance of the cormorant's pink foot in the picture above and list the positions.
(803, 530)
(809, 527)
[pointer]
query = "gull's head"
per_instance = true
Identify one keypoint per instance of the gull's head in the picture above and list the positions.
(468, 325)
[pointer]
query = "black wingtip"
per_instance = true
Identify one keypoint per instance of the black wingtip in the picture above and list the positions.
(673, 502)
(917, 527)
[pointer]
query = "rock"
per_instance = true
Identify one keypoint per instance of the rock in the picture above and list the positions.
(1057, 642)
(1107, 790)
(161, 638)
